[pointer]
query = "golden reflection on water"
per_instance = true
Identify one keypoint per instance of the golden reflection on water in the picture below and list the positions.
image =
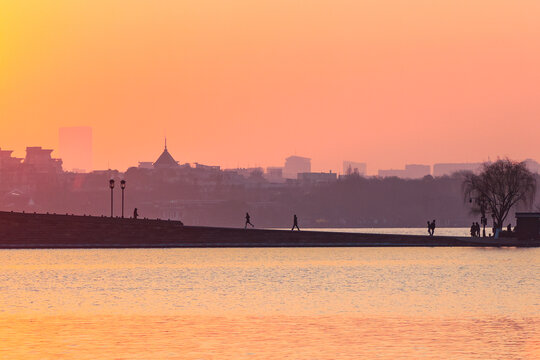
(335, 303)
(264, 337)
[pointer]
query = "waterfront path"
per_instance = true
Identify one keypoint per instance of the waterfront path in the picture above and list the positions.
(19, 230)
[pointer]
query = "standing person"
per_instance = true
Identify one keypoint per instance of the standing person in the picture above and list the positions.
(473, 230)
(433, 227)
(295, 223)
(135, 214)
(429, 228)
(248, 221)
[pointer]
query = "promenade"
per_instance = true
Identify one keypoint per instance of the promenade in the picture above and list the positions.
(27, 231)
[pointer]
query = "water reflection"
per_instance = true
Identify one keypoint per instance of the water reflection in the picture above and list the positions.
(270, 303)
(264, 337)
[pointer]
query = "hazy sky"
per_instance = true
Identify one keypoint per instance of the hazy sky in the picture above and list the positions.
(245, 83)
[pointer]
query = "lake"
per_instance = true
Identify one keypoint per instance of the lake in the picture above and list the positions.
(279, 303)
(443, 231)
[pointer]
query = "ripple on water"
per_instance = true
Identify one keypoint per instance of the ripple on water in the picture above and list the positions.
(304, 303)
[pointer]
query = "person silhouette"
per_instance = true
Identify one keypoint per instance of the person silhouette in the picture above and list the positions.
(433, 227)
(248, 221)
(429, 228)
(295, 223)
(135, 213)
(473, 229)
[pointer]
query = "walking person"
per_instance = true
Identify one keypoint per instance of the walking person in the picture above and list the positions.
(295, 223)
(433, 227)
(248, 221)
(135, 214)
(429, 228)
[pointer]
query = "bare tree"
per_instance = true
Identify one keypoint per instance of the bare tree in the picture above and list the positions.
(499, 187)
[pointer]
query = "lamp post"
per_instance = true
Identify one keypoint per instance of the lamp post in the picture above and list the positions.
(111, 185)
(123, 186)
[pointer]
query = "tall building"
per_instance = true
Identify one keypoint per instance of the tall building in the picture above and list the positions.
(352, 167)
(75, 148)
(295, 165)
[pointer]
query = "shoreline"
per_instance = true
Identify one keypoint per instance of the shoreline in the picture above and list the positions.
(50, 231)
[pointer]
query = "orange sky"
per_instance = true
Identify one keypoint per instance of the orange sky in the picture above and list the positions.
(245, 83)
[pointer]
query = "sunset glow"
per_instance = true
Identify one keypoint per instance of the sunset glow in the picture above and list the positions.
(247, 83)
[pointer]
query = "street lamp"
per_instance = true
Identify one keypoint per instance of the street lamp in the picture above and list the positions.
(123, 186)
(111, 185)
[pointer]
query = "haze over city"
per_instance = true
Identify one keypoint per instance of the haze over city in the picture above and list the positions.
(269, 179)
(247, 84)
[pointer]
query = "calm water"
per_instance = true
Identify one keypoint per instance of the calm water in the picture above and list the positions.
(407, 231)
(305, 303)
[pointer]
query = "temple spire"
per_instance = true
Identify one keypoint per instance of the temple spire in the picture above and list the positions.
(165, 160)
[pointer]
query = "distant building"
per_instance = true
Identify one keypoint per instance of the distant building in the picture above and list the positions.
(165, 160)
(146, 165)
(274, 174)
(416, 171)
(391, 173)
(351, 167)
(207, 167)
(316, 177)
(75, 148)
(250, 172)
(533, 166)
(7, 161)
(451, 168)
(411, 171)
(295, 165)
(9, 168)
(40, 160)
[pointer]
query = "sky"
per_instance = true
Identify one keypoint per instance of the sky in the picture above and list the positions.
(246, 83)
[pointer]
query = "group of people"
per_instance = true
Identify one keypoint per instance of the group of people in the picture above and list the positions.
(475, 230)
(431, 227)
(248, 222)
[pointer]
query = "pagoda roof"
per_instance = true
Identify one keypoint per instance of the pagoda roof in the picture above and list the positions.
(165, 160)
